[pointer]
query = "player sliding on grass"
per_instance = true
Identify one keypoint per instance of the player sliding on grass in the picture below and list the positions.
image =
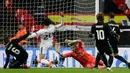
(79, 53)
(13, 49)
(46, 36)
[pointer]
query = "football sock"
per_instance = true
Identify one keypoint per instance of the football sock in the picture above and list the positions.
(121, 59)
(110, 61)
(105, 61)
(98, 57)
(44, 61)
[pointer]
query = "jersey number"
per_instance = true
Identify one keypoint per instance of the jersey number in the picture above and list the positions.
(14, 50)
(48, 36)
(100, 34)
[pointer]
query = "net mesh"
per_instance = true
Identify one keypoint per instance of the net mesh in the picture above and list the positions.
(30, 13)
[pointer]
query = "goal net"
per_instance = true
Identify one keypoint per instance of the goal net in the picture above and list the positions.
(78, 14)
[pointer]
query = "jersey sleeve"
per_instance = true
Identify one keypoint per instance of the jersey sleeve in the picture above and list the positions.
(22, 37)
(38, 33)
(68, 54)
(58, 25)
(92, 29)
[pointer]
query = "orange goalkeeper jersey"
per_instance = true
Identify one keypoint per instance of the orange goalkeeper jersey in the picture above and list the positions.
(81, 55)
(19, 34)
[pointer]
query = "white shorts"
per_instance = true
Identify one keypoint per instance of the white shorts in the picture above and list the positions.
(44, 48)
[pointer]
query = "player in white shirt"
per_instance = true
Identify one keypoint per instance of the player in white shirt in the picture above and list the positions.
(46, 36)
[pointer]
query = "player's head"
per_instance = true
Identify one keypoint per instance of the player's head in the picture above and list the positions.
(20, 26)
(100, 17)
(6, 40)
(47, 21)
(111, 16)
(71, 44)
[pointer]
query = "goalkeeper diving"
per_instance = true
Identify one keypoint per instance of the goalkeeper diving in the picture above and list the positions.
(79, 53)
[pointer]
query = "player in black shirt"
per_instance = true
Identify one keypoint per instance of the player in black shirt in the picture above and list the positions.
(101, 32)
(18, 52)
(114, 40)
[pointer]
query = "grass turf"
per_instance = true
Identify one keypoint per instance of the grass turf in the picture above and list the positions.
(64, 70)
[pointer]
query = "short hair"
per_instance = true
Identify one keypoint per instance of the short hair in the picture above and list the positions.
(100, 16)
(47, 21)
(111, 15)
(6, 39)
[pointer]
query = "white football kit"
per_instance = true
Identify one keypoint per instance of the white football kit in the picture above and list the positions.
(46, 36)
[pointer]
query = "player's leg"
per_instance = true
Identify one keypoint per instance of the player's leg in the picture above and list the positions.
(121, 59)
(110, 51)
(14, 63)
(98, 57)
(102, 51)
(23, 61)
(42, 60)
(100, 64)
(117, 56)
(105, 60)
(110, 60)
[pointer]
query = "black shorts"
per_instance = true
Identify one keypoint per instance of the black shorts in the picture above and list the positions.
(23, 58)
(16, 63)
(104, 48)
(114, 44)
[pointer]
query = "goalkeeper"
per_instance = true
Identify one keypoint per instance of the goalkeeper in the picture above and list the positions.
(79, 53)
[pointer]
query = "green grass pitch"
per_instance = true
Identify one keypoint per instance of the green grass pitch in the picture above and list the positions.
(64, 70)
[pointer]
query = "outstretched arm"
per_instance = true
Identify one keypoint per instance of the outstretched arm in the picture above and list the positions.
(24, 36)
(36, 34)
(62, 21)
(57, 48)
(71, 41)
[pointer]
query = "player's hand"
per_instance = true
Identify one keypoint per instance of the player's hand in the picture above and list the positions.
(66, 40)
(118, 37)
(62, 59)
(61, 14)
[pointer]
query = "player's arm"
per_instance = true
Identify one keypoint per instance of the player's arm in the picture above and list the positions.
(57, 48)
(62, 21)
(71, 41)
(91, 34)
(7, 60)
(118, 32)
(38, 33)
(24, 36)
